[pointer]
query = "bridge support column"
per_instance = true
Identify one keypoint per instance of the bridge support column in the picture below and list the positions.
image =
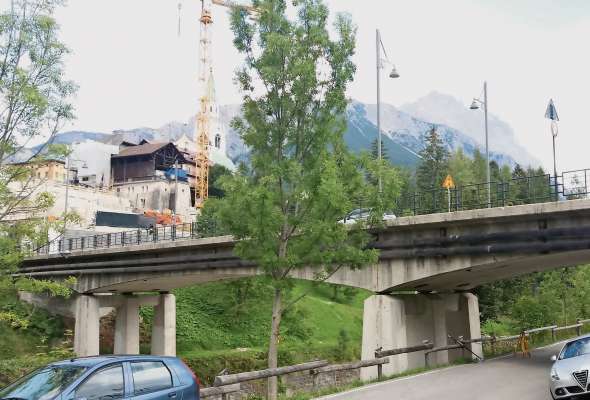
(86, 331)
(127, 326)
(398, 321)
(164, 326)
(440, 331)
(472, 306)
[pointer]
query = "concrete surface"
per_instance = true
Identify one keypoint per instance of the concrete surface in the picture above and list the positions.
(88, 310)
(87, 328)
(440, 252)
(504, 378)
(391, 322)
(164, 326)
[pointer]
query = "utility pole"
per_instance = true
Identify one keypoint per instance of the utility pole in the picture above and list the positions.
(393, 74)
(485, 108)
(477, 102)
(551, 114)
(378, 43)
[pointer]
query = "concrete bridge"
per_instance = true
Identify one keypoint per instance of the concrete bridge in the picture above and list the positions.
(428, 264)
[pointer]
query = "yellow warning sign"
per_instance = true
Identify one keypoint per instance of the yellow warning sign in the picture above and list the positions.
(448, 182)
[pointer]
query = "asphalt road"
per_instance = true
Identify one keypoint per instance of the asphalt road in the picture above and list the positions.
(499, 379)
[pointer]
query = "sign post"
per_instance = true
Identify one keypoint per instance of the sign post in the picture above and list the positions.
(551, 114)
(449, 184)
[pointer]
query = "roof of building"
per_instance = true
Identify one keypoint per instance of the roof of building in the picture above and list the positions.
(142, 149)
(38, 162)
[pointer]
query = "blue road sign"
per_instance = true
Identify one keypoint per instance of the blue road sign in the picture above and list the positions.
(551, 112)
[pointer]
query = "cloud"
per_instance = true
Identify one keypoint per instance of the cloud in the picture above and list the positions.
(133, 70)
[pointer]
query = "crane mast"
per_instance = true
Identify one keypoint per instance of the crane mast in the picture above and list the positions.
(204, 116)
(207, 90)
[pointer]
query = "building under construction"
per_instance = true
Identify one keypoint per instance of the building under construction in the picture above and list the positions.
(153, 176)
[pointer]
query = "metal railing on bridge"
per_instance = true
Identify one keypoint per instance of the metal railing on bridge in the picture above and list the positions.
(120, 239)
(523, 190)
(532, 189)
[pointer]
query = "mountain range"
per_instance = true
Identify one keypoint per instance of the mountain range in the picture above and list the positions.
(403, 129)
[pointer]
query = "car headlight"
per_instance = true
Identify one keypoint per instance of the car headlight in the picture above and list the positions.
(554, 374)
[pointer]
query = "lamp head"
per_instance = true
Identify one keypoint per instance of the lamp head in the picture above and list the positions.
(474, 105)
(394, 74)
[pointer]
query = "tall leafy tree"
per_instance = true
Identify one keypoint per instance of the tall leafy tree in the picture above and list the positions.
(479, 167)
(35, 104)
(461, 168)
(302, 180)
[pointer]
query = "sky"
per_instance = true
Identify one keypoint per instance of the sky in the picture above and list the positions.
(134, 69)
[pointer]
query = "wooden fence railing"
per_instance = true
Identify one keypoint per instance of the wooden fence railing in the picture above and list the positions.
(227, 384)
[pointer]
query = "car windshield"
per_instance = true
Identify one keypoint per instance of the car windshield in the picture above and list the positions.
(576, 348)
(42, 384)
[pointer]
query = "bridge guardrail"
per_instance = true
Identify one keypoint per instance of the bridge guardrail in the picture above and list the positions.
(532, 189)
(219, 390)
(226, 384)
(62, 245)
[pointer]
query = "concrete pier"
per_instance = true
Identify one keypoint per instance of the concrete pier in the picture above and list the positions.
(164, 326)
(398, 321)
(127, 327)
(89, 308)
(86, 338)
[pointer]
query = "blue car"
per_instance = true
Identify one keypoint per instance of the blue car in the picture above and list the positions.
(108, 378)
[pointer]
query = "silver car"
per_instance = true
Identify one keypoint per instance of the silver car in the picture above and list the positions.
(362, 214)
(569, 374)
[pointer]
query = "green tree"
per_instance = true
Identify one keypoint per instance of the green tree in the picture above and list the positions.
(461, 168)
(519, 186)
(479, 167)
(215, 173)
(375, 150)
(431, 173)
(285, 208)
(35, 101)
(434, 162)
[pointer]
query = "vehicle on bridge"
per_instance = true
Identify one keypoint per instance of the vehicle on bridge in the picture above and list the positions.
(569, 374)
(362, 214)
(108, 377)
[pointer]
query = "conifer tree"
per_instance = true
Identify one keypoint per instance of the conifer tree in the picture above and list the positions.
(434, 162)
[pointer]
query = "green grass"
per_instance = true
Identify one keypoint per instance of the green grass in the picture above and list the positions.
(221, 325)
(43, 330)
(226, 325)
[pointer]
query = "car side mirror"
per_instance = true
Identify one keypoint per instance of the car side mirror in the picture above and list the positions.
(553, 358)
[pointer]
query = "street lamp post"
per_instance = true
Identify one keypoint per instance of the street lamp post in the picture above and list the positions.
(551, 114)
(392, 74)
(474, 106)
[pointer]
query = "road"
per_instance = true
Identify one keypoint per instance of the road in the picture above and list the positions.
(504, 378)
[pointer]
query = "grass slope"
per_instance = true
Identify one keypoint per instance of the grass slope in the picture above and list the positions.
(219, 325)
(226, 325)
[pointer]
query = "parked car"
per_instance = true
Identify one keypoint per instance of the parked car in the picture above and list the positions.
(108, 378)
(362, 214)
(569, 373)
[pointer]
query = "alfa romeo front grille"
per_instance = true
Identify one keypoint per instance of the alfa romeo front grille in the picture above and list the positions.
(582, 378)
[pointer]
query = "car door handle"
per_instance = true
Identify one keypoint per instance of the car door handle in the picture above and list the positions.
(172, 395)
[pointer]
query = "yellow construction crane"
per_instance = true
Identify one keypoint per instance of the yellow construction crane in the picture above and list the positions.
(207, 88)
